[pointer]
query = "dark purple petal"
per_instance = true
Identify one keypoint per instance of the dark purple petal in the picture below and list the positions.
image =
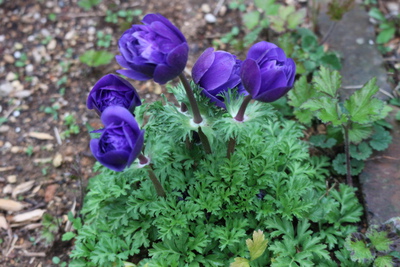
(271, 79)
(149, 18)
(121, 61)
(134, 75)
(202, 64)
(116, 115)
(251, 76)
(218, 100)
(290, 71)
(177, 58)
(273, 95)
(259, 49)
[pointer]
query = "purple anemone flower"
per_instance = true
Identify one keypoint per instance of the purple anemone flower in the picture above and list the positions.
(267, 74)
(216, 73)
(112, 90)
(121, 140)
(155, 50)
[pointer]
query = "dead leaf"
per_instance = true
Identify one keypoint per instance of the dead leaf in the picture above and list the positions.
(4, 169)
(32, 226)
(57, 160)
(42, 160)
(50, 191)
(3, 222)
(8, 189)
(41, 136)
(10, 205)
(22, 188)
(29, 216)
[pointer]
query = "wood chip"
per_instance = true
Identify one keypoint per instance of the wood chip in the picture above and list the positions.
(33, 254)
(4, 169)
(32, 226)
(29, 216)
(10, 205)
(22, 188)
(42, 160)
(41, 136)
(57, 160)
(8, 189)
(3, 222)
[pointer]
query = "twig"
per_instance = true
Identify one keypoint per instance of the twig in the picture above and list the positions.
(218, 7)
(328, 34)
(57, 134)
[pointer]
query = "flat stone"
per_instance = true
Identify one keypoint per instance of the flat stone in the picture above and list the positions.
(380, 179)
(352, 38)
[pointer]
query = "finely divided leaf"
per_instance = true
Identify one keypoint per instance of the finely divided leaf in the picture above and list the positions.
(359, 250)
(256, 246)
(362, 106)
(327, 82)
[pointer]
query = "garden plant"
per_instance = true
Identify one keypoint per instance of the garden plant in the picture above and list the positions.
(188, 184)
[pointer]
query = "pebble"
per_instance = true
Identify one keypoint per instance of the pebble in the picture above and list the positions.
(9, 59)
(11, 76)
(57, 160)
(223, 10)
(5, 89)
(45, 32)
(360, 41)
(18, 129)
(17, 149)
(91, 30)
(36, 16)
(18, 46)
(4, 128)
(210, 18)
(206, 8)
(394, 8)
(22, 94)
(16, 113)
(17, 54)
(29, 69)
(52, 44)
(31, 38)
(2, 38)
(69, 35)
(12, 179)
(17, 85)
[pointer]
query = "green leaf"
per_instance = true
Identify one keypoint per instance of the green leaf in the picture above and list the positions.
(376, 14)
(68, 236)
(331, 60)
(251, 19)
(381, 139)
(256, 246)
(384, 261)
(339, 164)
(360, 152)
(397, 116)
(94, 58)
(360, 252)
(296, 18)
(322, 141)
(384, 237)
(359, 132)
(362, 106)
(327, 81)
(88, 4)
(240, 262)
(326, 110)
(268, 6)
(386, 35)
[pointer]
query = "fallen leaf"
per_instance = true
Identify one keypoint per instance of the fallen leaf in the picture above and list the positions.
(41, 136)
(22, 188)
(10, 205)
(29, 216)
(50, 191)
(4, 169)
(57, 160)
(3, 222)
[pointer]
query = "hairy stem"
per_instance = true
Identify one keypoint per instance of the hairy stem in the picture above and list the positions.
(347, 152)
(204, 141)
(231, 147)
(157, 185)
(328, 34)
(189, 92)
(184, 108)
(240, 115)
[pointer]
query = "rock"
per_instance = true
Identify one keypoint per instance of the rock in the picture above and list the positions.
(22, 94)
(17, 85)
(4, 128)
(5, 89)
(205, 8)
(69, 35)
(52, 44)
(29, 69)
(222, 11)
(9, 59)
(12, 179)
(11, 76)
(17, 149)
(210, 18)
(18, 46)
(91, 30)
(17, 54)
(57, 160)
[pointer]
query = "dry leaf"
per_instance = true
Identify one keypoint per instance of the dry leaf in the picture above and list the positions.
(4, 169)
(41, 136)
(22, 188)
(42, 160)
(10, 205)
(8, 189)
(50, 191)
(29, 216)
(3, 222)
(32, 226)
(57, 160)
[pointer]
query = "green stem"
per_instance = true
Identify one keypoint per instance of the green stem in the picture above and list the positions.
(189, 92)
(240, 115)
(204, 141)
(157, 185)
(231, 147)
(347, 152)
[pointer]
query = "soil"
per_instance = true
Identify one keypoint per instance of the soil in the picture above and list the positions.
(42, 82)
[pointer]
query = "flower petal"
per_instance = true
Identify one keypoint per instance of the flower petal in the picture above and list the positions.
(134, 75)
(272, 95)
(202, 64)
(259, 49)
(251, 77)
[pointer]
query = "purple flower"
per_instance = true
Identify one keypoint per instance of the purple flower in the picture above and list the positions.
(112, 90)
(216, 72)
(266, 73)
(156, 50)
(121, 140)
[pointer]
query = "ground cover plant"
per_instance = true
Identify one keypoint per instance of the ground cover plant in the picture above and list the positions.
(186, 185)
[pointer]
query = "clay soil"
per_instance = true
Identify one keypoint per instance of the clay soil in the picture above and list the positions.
(42, 82)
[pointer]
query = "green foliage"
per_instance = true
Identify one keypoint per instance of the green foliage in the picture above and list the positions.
(377, 246)
(72, 126)
(387, 28)
(88, 4)
(94, 58)
(337, 8)
(49, 230)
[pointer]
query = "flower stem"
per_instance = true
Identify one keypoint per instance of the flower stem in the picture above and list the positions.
(204, 141)
(184, 108)
(143, 160)
(231, 147)
(347, 152)
(189, 92)
(240, 115)
(157, 185)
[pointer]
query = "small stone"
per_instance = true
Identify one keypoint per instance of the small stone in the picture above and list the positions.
(222, 11)
(360, 41)
(22, 94)
(31, 38)
(16, 113)
(4, 128)
(29, 69)
(57, 160)
(45, 32)
(17, 85)
(16, 149)
(69, 35)
(18, 46)
(2, 38)
(205, 8)
(12, 179)
(9, 59)
(5, 89)
(52, 44)
(17, 54)
(210, 18)
(394, 8)
(11, 76)
(91, 30)
(17, 129)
